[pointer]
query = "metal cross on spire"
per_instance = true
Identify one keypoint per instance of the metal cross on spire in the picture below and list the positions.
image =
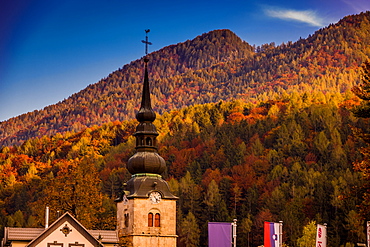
(146, 42)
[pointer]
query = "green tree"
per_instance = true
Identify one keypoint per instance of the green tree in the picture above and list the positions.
(189, 194)
(309, 235)
(189, 232)
(212, 200)
(363, 92)
(363, 111)
(67, 192)
(244, 230)
(355, 227)
(321, 143)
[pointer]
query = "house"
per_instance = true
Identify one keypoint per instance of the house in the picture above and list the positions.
(66, 231)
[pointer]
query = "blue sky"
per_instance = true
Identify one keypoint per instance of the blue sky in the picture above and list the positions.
(52, 49)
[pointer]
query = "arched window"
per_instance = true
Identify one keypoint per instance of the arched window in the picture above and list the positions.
(148, 141)
(150, 219)
(126, 220)
(157, 220)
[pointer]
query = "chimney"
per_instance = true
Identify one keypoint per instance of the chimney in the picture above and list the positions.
(47, 217)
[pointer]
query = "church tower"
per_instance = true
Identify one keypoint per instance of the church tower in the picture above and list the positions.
(146, 212)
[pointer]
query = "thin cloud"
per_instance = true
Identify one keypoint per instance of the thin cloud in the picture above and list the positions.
(306, 16)
(358, 6)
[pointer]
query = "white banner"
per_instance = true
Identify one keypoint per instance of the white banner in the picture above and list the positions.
(321, 236)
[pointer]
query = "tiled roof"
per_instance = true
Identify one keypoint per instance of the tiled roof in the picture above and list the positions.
(106, 236)
(17, 233)
(28, 234)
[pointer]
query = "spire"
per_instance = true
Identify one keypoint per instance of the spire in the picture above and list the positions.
(146, 113)
(146, 159)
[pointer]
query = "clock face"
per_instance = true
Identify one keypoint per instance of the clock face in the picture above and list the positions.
(155, 197)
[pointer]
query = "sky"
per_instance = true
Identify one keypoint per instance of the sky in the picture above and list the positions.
(51, 49)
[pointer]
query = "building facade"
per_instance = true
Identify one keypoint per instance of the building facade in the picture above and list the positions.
(66, 231)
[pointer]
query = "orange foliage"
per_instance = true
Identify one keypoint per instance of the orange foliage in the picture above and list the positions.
(235, 117)
(210, 175)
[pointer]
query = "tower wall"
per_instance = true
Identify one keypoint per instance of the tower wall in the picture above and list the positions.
(136, 227)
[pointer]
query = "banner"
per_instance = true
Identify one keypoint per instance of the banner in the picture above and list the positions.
(321, 236)
(219, 234)
(272, 234)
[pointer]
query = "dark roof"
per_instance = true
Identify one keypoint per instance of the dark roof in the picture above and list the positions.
(141, 185)
(105, 236)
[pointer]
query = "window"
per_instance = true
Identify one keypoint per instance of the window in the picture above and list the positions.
(76, 244)
(55, 244)
(148, 141)
(154, 220)
(126, 219)
(141, 141)
(150, 219)
(157, 220)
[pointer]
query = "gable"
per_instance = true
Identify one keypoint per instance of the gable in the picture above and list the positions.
(65, 232)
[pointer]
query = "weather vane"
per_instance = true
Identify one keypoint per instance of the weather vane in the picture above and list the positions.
(146, 42)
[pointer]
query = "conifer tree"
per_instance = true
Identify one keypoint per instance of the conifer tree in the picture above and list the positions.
(363, 92)
(363, 111)
(189, 232)
(309, 235)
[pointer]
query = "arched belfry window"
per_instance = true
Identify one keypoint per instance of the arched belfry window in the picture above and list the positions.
(154, 219)
(150, 219)
(148, 141)
(157, 220)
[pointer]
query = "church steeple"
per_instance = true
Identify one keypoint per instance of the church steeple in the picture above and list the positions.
(146, 210)
(146, 113)
(146, 159)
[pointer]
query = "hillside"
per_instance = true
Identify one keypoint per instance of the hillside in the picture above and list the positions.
(214, 66)
(288, 160)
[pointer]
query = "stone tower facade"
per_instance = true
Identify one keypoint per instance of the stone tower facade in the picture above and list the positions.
(146, 211)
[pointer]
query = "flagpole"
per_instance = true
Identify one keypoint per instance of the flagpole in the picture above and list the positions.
(280, 233)
(234, 231)
(368, 233)
(326, 234)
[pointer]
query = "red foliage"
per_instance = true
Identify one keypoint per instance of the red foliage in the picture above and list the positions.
(210, 175)
(310, 159)
(243, 175)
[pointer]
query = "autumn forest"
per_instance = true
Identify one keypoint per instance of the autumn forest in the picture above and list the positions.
(268, 133)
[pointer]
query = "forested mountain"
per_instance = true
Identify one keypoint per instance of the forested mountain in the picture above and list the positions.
(214, 66)
(288, 160)
(253, 133)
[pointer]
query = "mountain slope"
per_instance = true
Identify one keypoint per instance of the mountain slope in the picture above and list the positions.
(214, 66)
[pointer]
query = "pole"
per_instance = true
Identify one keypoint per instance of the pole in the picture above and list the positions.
(234, 232)
(368, 233)
(326, 234)
(280, 233)
(47, 217)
